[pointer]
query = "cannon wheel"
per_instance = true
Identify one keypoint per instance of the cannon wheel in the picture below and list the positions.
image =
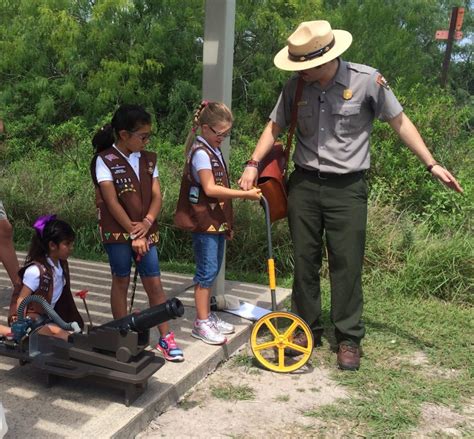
(272, 334)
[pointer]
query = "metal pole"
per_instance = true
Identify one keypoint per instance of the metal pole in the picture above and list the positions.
(449, 46)
(218, 62)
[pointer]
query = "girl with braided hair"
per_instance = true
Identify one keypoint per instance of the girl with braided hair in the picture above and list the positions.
(205, 209)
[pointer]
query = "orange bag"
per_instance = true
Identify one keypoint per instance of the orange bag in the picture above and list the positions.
(272, 169)
(272, 181)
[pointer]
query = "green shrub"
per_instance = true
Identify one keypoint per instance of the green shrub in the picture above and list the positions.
(437, 267)
(397, 177)
(405, 258)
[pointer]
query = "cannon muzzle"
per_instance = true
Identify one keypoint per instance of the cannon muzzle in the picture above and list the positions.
(146, 319)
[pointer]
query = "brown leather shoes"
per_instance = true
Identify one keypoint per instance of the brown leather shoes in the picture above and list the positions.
(348, 356)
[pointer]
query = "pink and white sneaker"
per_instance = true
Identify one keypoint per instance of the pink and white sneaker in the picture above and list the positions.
(168, 347)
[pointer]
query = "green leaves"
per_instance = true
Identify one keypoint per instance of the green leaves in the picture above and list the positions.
(67, 58)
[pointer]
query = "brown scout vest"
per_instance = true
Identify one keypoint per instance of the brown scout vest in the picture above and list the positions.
(206, 215)
(134, 195)
(65, 306)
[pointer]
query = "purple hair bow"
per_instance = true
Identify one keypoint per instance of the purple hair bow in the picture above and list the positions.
(41, 222)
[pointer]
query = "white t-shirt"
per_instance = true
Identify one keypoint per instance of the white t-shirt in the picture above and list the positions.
(103, 173)
(31, 279)
(201, 159)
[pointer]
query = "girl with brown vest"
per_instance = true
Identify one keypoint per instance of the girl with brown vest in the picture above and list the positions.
(46, 274)
(205, 209)
(128, 200)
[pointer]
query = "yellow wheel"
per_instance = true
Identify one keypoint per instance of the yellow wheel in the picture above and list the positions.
(272, 334)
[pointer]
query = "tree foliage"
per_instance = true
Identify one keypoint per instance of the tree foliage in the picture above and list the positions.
(81, 58)
(67, 64)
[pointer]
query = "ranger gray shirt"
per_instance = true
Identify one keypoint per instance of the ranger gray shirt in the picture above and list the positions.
(335, 122)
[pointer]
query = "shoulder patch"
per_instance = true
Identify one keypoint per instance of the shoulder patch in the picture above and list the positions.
(382, 81)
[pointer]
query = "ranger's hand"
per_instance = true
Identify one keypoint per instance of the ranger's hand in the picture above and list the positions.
(445, 177)
(248, 180)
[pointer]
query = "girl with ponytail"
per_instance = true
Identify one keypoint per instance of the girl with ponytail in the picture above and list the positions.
(46, 273)
(128, 200)
(205, 209)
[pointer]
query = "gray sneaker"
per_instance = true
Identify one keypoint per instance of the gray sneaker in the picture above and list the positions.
(223, 327)
(207, 332)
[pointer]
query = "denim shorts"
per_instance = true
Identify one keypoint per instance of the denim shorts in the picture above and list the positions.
(208, 254)
(120, 260)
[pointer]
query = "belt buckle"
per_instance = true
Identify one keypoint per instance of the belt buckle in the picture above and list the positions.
(320, 176)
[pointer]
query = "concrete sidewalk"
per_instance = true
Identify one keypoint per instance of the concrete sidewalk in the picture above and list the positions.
(73, 408)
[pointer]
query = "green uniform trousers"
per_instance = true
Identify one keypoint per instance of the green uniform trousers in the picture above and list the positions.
(334, 206)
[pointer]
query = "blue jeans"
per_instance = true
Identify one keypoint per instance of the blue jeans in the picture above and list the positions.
(120, 260)
(208, 254)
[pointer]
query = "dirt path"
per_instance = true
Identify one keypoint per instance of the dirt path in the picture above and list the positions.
(240, 400)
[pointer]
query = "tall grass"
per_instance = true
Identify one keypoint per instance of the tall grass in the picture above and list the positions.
(416, 262)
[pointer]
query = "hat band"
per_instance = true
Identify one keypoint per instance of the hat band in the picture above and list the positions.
(312, 55)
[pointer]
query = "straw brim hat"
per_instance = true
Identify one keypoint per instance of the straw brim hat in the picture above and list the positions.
(312, 44)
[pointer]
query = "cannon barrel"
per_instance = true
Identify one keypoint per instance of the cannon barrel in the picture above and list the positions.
(146, 319)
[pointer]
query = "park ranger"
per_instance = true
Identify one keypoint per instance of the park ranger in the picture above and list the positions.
(328, 190)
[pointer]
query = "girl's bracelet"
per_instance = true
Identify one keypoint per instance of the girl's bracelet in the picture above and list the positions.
(148, 221)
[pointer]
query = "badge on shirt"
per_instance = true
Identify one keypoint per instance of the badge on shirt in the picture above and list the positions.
(124, 185)
(382, 81)
(118, 169)
(347, 94)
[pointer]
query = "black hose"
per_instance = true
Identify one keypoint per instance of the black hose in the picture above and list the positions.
(73, 326)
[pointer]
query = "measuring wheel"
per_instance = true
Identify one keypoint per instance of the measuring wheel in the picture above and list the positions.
(272, 337)
(273, 334)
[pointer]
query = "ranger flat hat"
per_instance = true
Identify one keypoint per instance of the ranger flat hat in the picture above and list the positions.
(312, 44)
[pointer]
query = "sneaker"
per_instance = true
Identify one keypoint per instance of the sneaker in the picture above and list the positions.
(222, 327)
(168, 347)
(207, 332)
